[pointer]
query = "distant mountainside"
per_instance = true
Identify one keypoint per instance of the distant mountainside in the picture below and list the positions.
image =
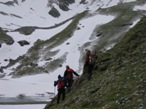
(20, 24)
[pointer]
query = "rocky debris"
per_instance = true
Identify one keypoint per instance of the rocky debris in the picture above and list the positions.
(23, 42)
(5, 60)
(4, 38)
(54, 12)
(2, 75)
(63, 7)
(9, 42)
(1, 70)
(83, 2)
(9, 3)
(67, 43)
(23, 0)
(3, 13)
(126, 24)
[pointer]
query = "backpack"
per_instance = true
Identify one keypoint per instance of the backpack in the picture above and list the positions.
(61, 84)
(69, 73)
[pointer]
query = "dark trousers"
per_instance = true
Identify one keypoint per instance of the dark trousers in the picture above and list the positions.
(86, 64)
(69, 84)
(90, 68)
(61, 92)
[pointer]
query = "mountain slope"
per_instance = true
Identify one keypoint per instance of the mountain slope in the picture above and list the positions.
(119, 77)
(36, 45)
(108, 37)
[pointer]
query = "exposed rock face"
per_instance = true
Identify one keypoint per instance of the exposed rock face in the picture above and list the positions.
(63, 7)
(4, 38)
(67, 2)
(23, 42)
(23, 0)
(83, 2)
(54, 12)
(9, 3)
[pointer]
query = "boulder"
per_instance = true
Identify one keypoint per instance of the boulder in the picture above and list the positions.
(23, 42)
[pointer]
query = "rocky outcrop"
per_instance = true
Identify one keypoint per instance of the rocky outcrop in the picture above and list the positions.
(23, 42)
(4, 38)
(63, 7)
(54, 12)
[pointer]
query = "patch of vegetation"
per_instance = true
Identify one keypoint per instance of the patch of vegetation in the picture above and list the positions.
(4, 38)
(45, 47)
(27, 30)
(121, 84)
(113, 31)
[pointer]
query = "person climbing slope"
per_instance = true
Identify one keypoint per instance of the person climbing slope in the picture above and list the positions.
(92, 60)
(68, 75)
(86, 64)
(61, 88)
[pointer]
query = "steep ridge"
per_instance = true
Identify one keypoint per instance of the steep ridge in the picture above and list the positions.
(119, 78)
(47, 54)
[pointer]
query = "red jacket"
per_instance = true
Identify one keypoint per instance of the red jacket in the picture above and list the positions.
(69, 73)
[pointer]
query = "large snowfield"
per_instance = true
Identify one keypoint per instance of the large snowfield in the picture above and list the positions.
(42, 84)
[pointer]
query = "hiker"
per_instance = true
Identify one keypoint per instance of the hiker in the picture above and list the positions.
(68, 75)
(61, 88)
(87, 58)
(92, 60)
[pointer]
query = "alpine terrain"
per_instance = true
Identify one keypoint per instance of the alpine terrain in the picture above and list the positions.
(39, 38)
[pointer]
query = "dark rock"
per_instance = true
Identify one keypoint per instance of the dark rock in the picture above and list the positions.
(23, 0)
(78, 28)
(67, 43)
(1, 70)
(9, 3)
(128, 24)
(3, 13)
(63, 7)
(9, 42)
(54, 12)
(67, 2)
(11, 60)
(23, 42)
(60, 65)
(15, 1)
(83, 2)
(5, 59)
(99, 34)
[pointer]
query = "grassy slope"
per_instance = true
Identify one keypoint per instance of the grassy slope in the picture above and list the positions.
(119, 79)
(113, 31)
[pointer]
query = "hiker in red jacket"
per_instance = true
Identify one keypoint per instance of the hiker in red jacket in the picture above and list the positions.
(87, 58)
(68, 75)
(92, 61)
(61, 88)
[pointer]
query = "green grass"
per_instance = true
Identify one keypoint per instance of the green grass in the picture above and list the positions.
(4, 38)
(115, 30)
(121, 85)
